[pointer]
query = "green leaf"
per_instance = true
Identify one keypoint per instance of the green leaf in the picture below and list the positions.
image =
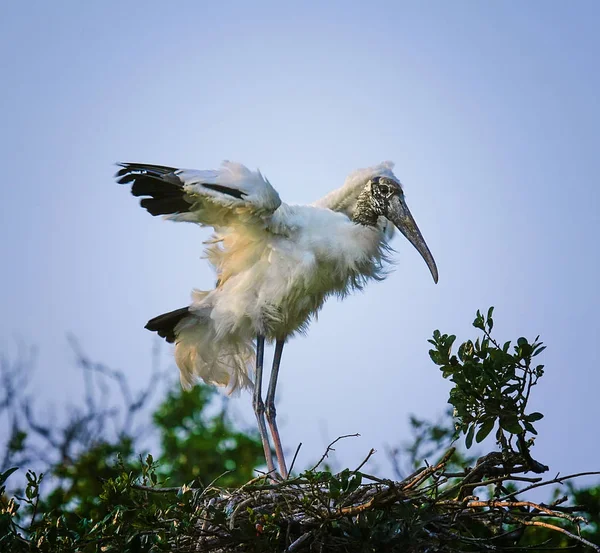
(511, 424)
(539, 371)
(484, 430)
(435, 356)
(534, 417)
(334, 487)
(354, 482)
(6, 474)
(529, 427)
(485, 344)
(511, 389)
(522, 341)
(478, 322)
(469, 438)
(465, 351)
(538, 350)
(461, 351)
(343, 476)
(447, 370)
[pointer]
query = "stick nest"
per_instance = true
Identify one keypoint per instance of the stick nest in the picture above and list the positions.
(432, 510)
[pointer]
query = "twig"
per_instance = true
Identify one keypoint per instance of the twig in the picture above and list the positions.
(513, 505)
(294, 459)
(330, 448)
(492, 472)
(424, 474)
(376, 479)
(295, 545)
(371, 452)
(251, 482)
(218, 478)
(557, 480)
(496, 480)
(275, 486)
(557, 529)
(376, 499)
(241, 505)
(141, 487)
(206, 522)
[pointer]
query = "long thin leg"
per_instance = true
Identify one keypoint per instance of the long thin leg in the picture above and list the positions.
(259, 406)
(270, 408)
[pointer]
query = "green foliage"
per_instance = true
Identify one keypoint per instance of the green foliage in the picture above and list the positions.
(589, 500)
(197, 448)
(92, 499)
(79, 482)
(492, 384)
(200, 494)
(117, 520)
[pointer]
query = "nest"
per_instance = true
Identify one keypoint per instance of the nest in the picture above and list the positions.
(429, 511)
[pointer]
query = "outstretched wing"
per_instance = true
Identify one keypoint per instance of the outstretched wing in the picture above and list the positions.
(232, 195)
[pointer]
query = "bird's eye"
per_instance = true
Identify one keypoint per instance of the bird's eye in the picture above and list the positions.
(385, 189)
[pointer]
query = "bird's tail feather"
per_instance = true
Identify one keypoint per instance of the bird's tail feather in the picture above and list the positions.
(200, 354)
(164, 325)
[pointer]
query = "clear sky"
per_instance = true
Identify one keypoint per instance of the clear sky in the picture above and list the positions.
(490, 111)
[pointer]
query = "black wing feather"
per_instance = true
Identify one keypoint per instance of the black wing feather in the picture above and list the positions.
(234, 192)
(160, 183)
(165, 206)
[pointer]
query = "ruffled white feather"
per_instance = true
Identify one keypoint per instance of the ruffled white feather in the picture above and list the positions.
(276, 265)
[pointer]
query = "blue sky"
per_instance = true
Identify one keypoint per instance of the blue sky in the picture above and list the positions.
(490, 111)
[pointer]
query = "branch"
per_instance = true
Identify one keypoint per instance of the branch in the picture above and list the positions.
(556, 480)
(371, 452)
(556, 529)
(330, 448)
(426, 473)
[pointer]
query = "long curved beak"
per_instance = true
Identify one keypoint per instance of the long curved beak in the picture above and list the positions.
(399, 214)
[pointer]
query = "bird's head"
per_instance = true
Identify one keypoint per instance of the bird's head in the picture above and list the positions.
(382, 196)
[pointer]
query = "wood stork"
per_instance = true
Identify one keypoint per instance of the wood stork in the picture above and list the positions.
(276, 264)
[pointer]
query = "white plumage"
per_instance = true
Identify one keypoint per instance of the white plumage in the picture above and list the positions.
(276, 263)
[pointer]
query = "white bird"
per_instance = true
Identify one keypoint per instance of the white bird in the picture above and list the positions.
(276, 264)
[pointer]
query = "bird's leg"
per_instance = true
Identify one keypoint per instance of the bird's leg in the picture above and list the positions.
(259, 406)
(270, 408)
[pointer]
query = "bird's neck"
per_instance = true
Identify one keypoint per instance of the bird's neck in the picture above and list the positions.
(364, 212)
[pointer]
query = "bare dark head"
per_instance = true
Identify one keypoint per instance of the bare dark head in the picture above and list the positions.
(382, 191)
(383, 197)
